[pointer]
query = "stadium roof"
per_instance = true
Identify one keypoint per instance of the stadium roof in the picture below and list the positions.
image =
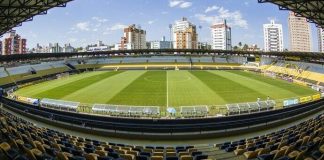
(313, 10)
(14, 12)
(157, 52)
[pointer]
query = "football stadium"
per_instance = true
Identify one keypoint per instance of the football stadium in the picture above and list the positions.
(161, 104)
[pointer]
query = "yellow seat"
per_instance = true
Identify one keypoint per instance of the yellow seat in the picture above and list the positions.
(158, 154)
(91, 156)
(157, 158)
(135, 153)
(183, 153)
(171, 154)
(279, 154)
(186, 157)
(250, 154)
(239, 151)
(101, 153)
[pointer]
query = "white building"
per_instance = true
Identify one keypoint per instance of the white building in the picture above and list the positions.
(163, 44)
(184, 35)
(119, 46)
(321, 39)
(273, 37)
(221, 36)
(56, 48)
(68, 48)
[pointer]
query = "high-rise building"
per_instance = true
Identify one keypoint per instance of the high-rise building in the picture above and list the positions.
(221, 36)
(321, 39)
(184, 35)
(273, 37)
(68, 48)
(299, 33)
(13, 44)
(133, 37)
(163, 44)
(56, 48)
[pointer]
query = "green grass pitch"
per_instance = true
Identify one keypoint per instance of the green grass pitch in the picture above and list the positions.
(165, 88)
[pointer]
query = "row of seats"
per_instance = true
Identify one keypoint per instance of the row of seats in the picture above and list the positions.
(23, 140)
(302, 141)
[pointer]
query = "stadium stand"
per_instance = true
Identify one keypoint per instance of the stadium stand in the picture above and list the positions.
(19, 70)
(23, 140)
(3, 72)
(302, 141)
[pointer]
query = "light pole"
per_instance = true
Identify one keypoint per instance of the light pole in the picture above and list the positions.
(170, 27)
(199, 44)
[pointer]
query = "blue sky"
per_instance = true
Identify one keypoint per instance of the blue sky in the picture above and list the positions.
(87, 21)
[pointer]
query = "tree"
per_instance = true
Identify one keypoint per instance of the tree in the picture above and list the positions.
(245, 47)
(79, 49)
(236, 48)
(240, 44)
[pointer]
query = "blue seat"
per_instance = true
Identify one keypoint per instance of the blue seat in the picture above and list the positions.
(105, 158)
(317, 154)
(142, 157)
(12, 153)
(77, 158)
(77, 152)
(113, 154)
(200, 157)
(159, 147)
(172, 158)
(196, 153)
(148, 154)
(89, 150)
(21, 157)
(230, 149)
(266, 157)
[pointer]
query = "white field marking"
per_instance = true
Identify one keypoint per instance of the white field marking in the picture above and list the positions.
(149, 80)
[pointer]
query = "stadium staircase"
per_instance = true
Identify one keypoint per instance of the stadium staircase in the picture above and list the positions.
(33, 71)
(71, 67)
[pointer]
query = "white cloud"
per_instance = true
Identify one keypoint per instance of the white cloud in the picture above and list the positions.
(234, 19)
(151, 22)
(98, 19)
(174, 3)
(211, 8)
(117, 26)
(185, 5)
(179, 3)
(72, 40)
(83, 26)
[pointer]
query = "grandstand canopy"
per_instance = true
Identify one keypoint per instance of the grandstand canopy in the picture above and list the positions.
(313, 10)
(14, 12)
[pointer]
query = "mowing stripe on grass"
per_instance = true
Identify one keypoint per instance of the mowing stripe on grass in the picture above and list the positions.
(66, 89)
(187, 90)
(272, 91)
(297, 89)
(147, 90)
(33, 90)
(103, 91)
(228, 89)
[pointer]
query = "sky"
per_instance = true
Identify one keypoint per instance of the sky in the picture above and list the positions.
(85, 22)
